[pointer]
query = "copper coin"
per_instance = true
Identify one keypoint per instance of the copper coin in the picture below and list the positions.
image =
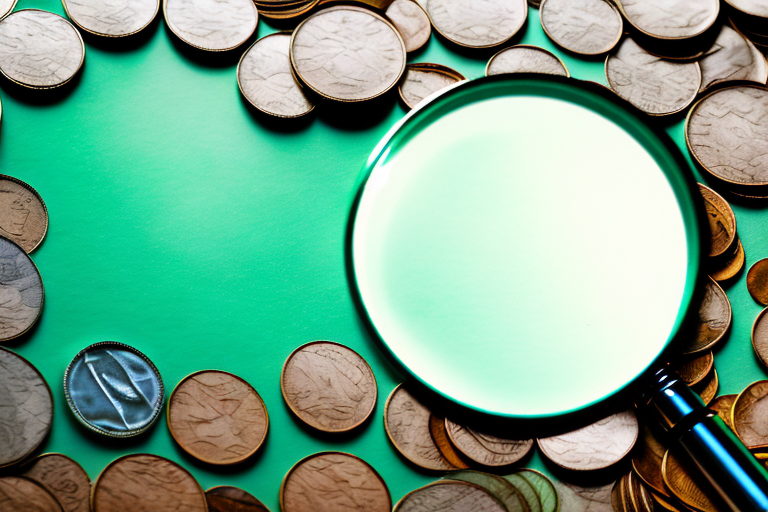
(411, 20)
(333, 481)
(23, 215)
(670, 19)
(749, 413)
(586, 27)
(760, 337)
(525, 59)
(545, 489)
(232, 499)
(630, 495)
(217, 417)
(212, 25)
(666, 504)
(328, 386)
(723, 406)
(485, 449)
(449, 496)
(730, 267)
(595, 446)
(712, 321)
(23, 495)
(21, 291)
(707, 389)
(647, 459)
(496, 486)
(407, 423)
(757, 281)
(477, 23)
(443, 442)
(146, 482)
(112, 18)
(423, 79)
(685, 483)
(732, 57)
(26, 408)
(578, 498)
(694, 370)
(64, 478)
(722, 222)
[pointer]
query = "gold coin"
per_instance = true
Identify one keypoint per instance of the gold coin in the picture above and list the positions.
(684, 481)
(485, 449)
(618, 496)
(64, 478)
(583, 498)
(723, 406)
(423, 79)
(711, 322)
(757, 281)
(23, 215)
(498, 487)
(760, 337)
(750, 415)
(524, 58)
(449, 496)
(411, 20)
(647, 458)
(732, 266)
(586, 27)
(693, 370)
(667, 505)
(722, 222)
(443, 443)
(707, 389)
(477, 23)
(22, 495)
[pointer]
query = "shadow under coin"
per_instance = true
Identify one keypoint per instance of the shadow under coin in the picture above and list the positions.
(126, 43)
(42, 97)
(205, 58)
(273, 123)
(354, 116)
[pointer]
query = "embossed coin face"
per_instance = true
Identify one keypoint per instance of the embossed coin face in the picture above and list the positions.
(329, 386)
(213, 25)
(588, 27)
(576, 498)
(525, 59)
(760, 337)
(449, 496)
(595, 446)
(723, 406)
(114, 389)
(217, 417)
(750, 415)
(647, 459)
(732, 57)
(26, 408)
(23, 215)
(112, 18)
(712, 321)
(477, 23)
(496, 486)
(656, 86)
(757, 281)
(21, 291)
(232, 499)
(722, 222)
(730, 267)
(347, 53)
(22, 495)
(333, 481)
(424, 79)
(63, 478)
(693, 370)
(485, 449)
(147, 482)
(685, 483)
(39, 49)
(670, 19)
(410, 19)
(443, 442)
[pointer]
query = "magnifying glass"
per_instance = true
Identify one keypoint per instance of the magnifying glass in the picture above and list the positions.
(527, 247)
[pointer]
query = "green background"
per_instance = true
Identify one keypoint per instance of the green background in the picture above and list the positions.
(209, 237)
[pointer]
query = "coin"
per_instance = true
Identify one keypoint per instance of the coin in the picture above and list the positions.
(760, 337)
(6, 6)
(63, 478)
(749, 413)
(39, 49)
(630, 495)
(727, 134)
(723, 406)
(112, 18)
(732, 57)
(757, 281)
(449, 496)
(496, 486)
(212, 25)
(722, 222)
(443, 443)
(347, 53)
(232, 499)
(23, 215)
(577, 498)
(730, 267)
(670, 19)
(595, 446)
(711, 322)
(423, 79)
(328, 386)
(525, 59)
(665, 504)
(586, 27)
(693, 370)
(707, 389)
(485, 449)
(217, 417)
(333, 481)
(114, 389)
(527, 490)
(477, 23)
(656, 86)
(410, 19)
(22, 495)
(685, 483)
(545, 489)
(647, 459)
(21, 289)
(146, 482)
(26, 408)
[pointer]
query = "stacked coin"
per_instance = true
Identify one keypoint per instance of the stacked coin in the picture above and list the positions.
(726, 253)
(751, 19)
(423, 80)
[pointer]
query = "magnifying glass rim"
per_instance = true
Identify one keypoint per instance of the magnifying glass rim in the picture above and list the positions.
(676, 169)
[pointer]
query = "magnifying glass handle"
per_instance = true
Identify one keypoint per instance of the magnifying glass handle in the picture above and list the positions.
(723, 459)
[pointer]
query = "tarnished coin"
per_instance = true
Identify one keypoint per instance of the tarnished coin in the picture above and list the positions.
(722, 222)
(730, 267)
(410, 19)
(525, 489)
(213, 25)
(26, 408)
(595, 446)
(496, 486)
(449, 496)
(23, 495)
(685, 483)
(114, 389)
(443, 442)
(423, 79)
(707, 389)
(749, 413)
(548, 497)
(21, 291)
(146, 482)
(587, 27)
(23, 215)
(485, 449)
(112, 18)
(727, 133)
(656, 86)
(477, 23)
(694, 370)
(64, 478)
(712, 321)
(525, 59)
(217, 417)
(39, 49)
(760, 337)
(647, 459)
(577, 498)
(329, 386)
(630, 495)
(732, 57)
(232, 499)
(723, 406)
(333, 481)
(347, 53)
(670, 19)
(757, 281)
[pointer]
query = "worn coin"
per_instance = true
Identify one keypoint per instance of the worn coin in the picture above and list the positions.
(22, 495)
(443, 442)
(732, 57)
(112, 18)
(39, 49)
(213, 25)
(333, 481)
(485, 449)
(670, 19)
(757, 281)
(707, 389)
(712, 321)
(347, 53)
(26, 408)
(525, 489)
(730, 267)
(146, 482)
(23, 215)
(64, 478)
(525, 59)
(329, 386)
(424, 79)
(217, 417)
(232, 499)
(579, 498)
(477, 23)
(587, 27)
(685, 483)
(722, 222)
(723, 406)
(647, 459)
(760, 337)
(545, 489)
(21, 291)
(114, 389)
(694, 370)
(495, 485)
(410, 19)
(449, 496)
(749, 413)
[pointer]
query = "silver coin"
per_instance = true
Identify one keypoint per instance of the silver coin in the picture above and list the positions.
(423, 79)
(449, 496)
(587, 27)
(265, 78)
(754, 7)
(21, 291)
(732, 57)
(670, 19)
(477, 23)
(348, 54)
(112, 18)
(213, 25)
(6, 6)
(114, 389)
(39, 49)
(410, 19)
(525, 59)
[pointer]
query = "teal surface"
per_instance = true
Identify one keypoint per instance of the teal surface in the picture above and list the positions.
(184, 226)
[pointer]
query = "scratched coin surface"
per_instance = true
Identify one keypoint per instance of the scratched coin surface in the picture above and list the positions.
(727, 133)
(578, 498)
(712, 321)
(112, 18)
(730, 267)
(550, 500)
(722, 222)
(486, 449)
(213, 25)
(329, 386)
(26, 408)
(750, 415)
(21, 291)
(333, 481)
(39, 49)
(347, 53)
(525, 59)
(114, 389)
(647, 458)
(424, 79)
(449, 496)
(146, 482)
(654, 85)
(410, 19)
(22, 495)
(723, 406)
(670, 19)
(443, 442)
(757, 281)
(501, 489)
(217, 417)
(477, 23)
(587, 27)
(685, 483)
(595, 446)
(64, 478)
(232, 499)
(23, 215)
(760, 337)
(732, 57)
(693, 370)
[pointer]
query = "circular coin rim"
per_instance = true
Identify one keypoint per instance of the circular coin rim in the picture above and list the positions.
(37, 484)
(732, 267)
(710, 364)
(616, 11)
(758, 319)
(684, 498)
(39, 198)
(736, 402)
(733, 6)
(749, 289)
(111, 36)
(456, 445)
(620, 6)
(725, 208)
(544, 478)
(722, 334)
(429, 25)
(712, 380)
(531, 47)
(232, 487)
(29, 463)
(427, 67)
(448, 481)
(522, 24)
(42, 289)
(215, 50)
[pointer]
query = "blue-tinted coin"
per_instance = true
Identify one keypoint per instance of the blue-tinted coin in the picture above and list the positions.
(114, 389)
